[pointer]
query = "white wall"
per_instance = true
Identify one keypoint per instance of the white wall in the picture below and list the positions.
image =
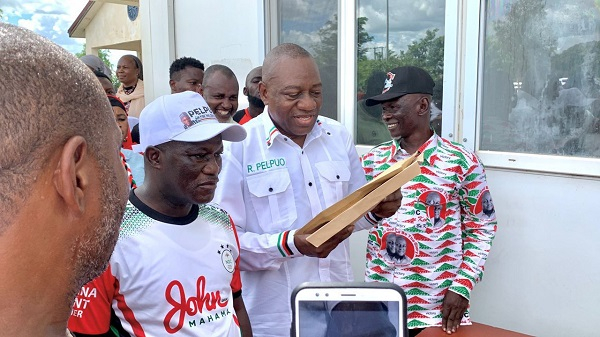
(158, 46)
(543, 275)
(225, 32)
(111, 26)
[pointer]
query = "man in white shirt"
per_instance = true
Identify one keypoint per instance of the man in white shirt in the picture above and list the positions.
(292, 165)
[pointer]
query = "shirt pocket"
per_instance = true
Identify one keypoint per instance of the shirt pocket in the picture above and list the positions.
(273, 200)
(334, 177)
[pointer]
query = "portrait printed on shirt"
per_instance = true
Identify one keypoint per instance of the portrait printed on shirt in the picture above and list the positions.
(435, 203)
(484, 208)
(397, 248)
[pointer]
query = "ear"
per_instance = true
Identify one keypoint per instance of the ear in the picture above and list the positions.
(153, 156)
(262, 89)
(172, 85)
(73, 174)
(201, 90)
(245, 91)
(423, 106)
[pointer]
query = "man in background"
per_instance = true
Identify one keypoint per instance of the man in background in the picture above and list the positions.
(220, 90)
(186, 73)
(255, 104)
(63, 188)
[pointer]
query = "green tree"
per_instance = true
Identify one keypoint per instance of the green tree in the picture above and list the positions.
(522, 44)
(326, 48)
(427, 53)
(325, 54)
(363, 37)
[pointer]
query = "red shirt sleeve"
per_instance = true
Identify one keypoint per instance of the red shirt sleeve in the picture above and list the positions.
(92, 308)
(236, 281)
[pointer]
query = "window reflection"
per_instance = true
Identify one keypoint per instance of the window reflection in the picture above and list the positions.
(541, 77)
(392, 34)
(313, 24)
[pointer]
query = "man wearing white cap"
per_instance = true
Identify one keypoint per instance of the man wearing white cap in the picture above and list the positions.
(174, 270)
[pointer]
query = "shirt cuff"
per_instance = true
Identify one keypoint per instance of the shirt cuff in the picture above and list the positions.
(372, 218)
(285, 244)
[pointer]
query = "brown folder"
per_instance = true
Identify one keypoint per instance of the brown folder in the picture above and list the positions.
(346, 211)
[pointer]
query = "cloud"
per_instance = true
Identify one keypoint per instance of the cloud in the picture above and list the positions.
(48, 18)
(408, 21)
(309, 10)
(301, 38)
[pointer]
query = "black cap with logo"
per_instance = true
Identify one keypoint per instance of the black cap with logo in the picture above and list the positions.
(401, 81)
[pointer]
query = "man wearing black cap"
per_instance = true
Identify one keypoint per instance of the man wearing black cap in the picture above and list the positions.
(447, 260)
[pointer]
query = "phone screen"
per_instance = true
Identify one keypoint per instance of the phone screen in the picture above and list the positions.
(348, 318)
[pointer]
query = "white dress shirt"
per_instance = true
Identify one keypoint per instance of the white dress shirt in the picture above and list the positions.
(271, 186)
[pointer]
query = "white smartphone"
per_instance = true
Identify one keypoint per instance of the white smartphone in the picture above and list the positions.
(357, 309)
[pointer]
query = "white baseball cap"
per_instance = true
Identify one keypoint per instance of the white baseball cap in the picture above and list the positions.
(183, 117)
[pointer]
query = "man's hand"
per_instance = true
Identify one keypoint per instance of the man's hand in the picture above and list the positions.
(453, 309)
(306, 248)
(388, 206)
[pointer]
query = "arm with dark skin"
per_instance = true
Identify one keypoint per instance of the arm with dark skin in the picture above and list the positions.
(388, 206)
(242, 315)
(453, 309)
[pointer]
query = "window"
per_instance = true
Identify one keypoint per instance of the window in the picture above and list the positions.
(541, 78)
(392, 34)
(313, 24)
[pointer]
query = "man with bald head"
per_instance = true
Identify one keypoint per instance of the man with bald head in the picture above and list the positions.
(292, 165)
(255, 105)
(220, 90)
(63, 188)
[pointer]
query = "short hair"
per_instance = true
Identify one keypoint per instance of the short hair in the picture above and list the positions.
(214, 69)
(138, 64)
(285, 50)
(182, 63)
(37, 119)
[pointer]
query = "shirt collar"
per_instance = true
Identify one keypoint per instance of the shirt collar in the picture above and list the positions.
(272, 132)
(428, 149)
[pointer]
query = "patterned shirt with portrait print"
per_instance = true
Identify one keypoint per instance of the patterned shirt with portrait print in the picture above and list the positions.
(433, 249)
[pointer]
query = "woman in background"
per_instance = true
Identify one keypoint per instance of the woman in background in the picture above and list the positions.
(131, 91)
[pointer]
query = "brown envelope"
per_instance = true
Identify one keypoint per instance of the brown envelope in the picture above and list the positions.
(346, 211)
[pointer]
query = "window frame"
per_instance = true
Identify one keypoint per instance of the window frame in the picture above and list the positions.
(474, 27)
(463, 65)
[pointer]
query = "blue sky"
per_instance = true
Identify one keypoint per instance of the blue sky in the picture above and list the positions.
(408, 19)
(51, 19)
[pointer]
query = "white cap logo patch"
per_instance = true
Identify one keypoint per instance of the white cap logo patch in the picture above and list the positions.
(388, 82)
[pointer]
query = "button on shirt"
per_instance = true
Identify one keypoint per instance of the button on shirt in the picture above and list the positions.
(271, 186)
